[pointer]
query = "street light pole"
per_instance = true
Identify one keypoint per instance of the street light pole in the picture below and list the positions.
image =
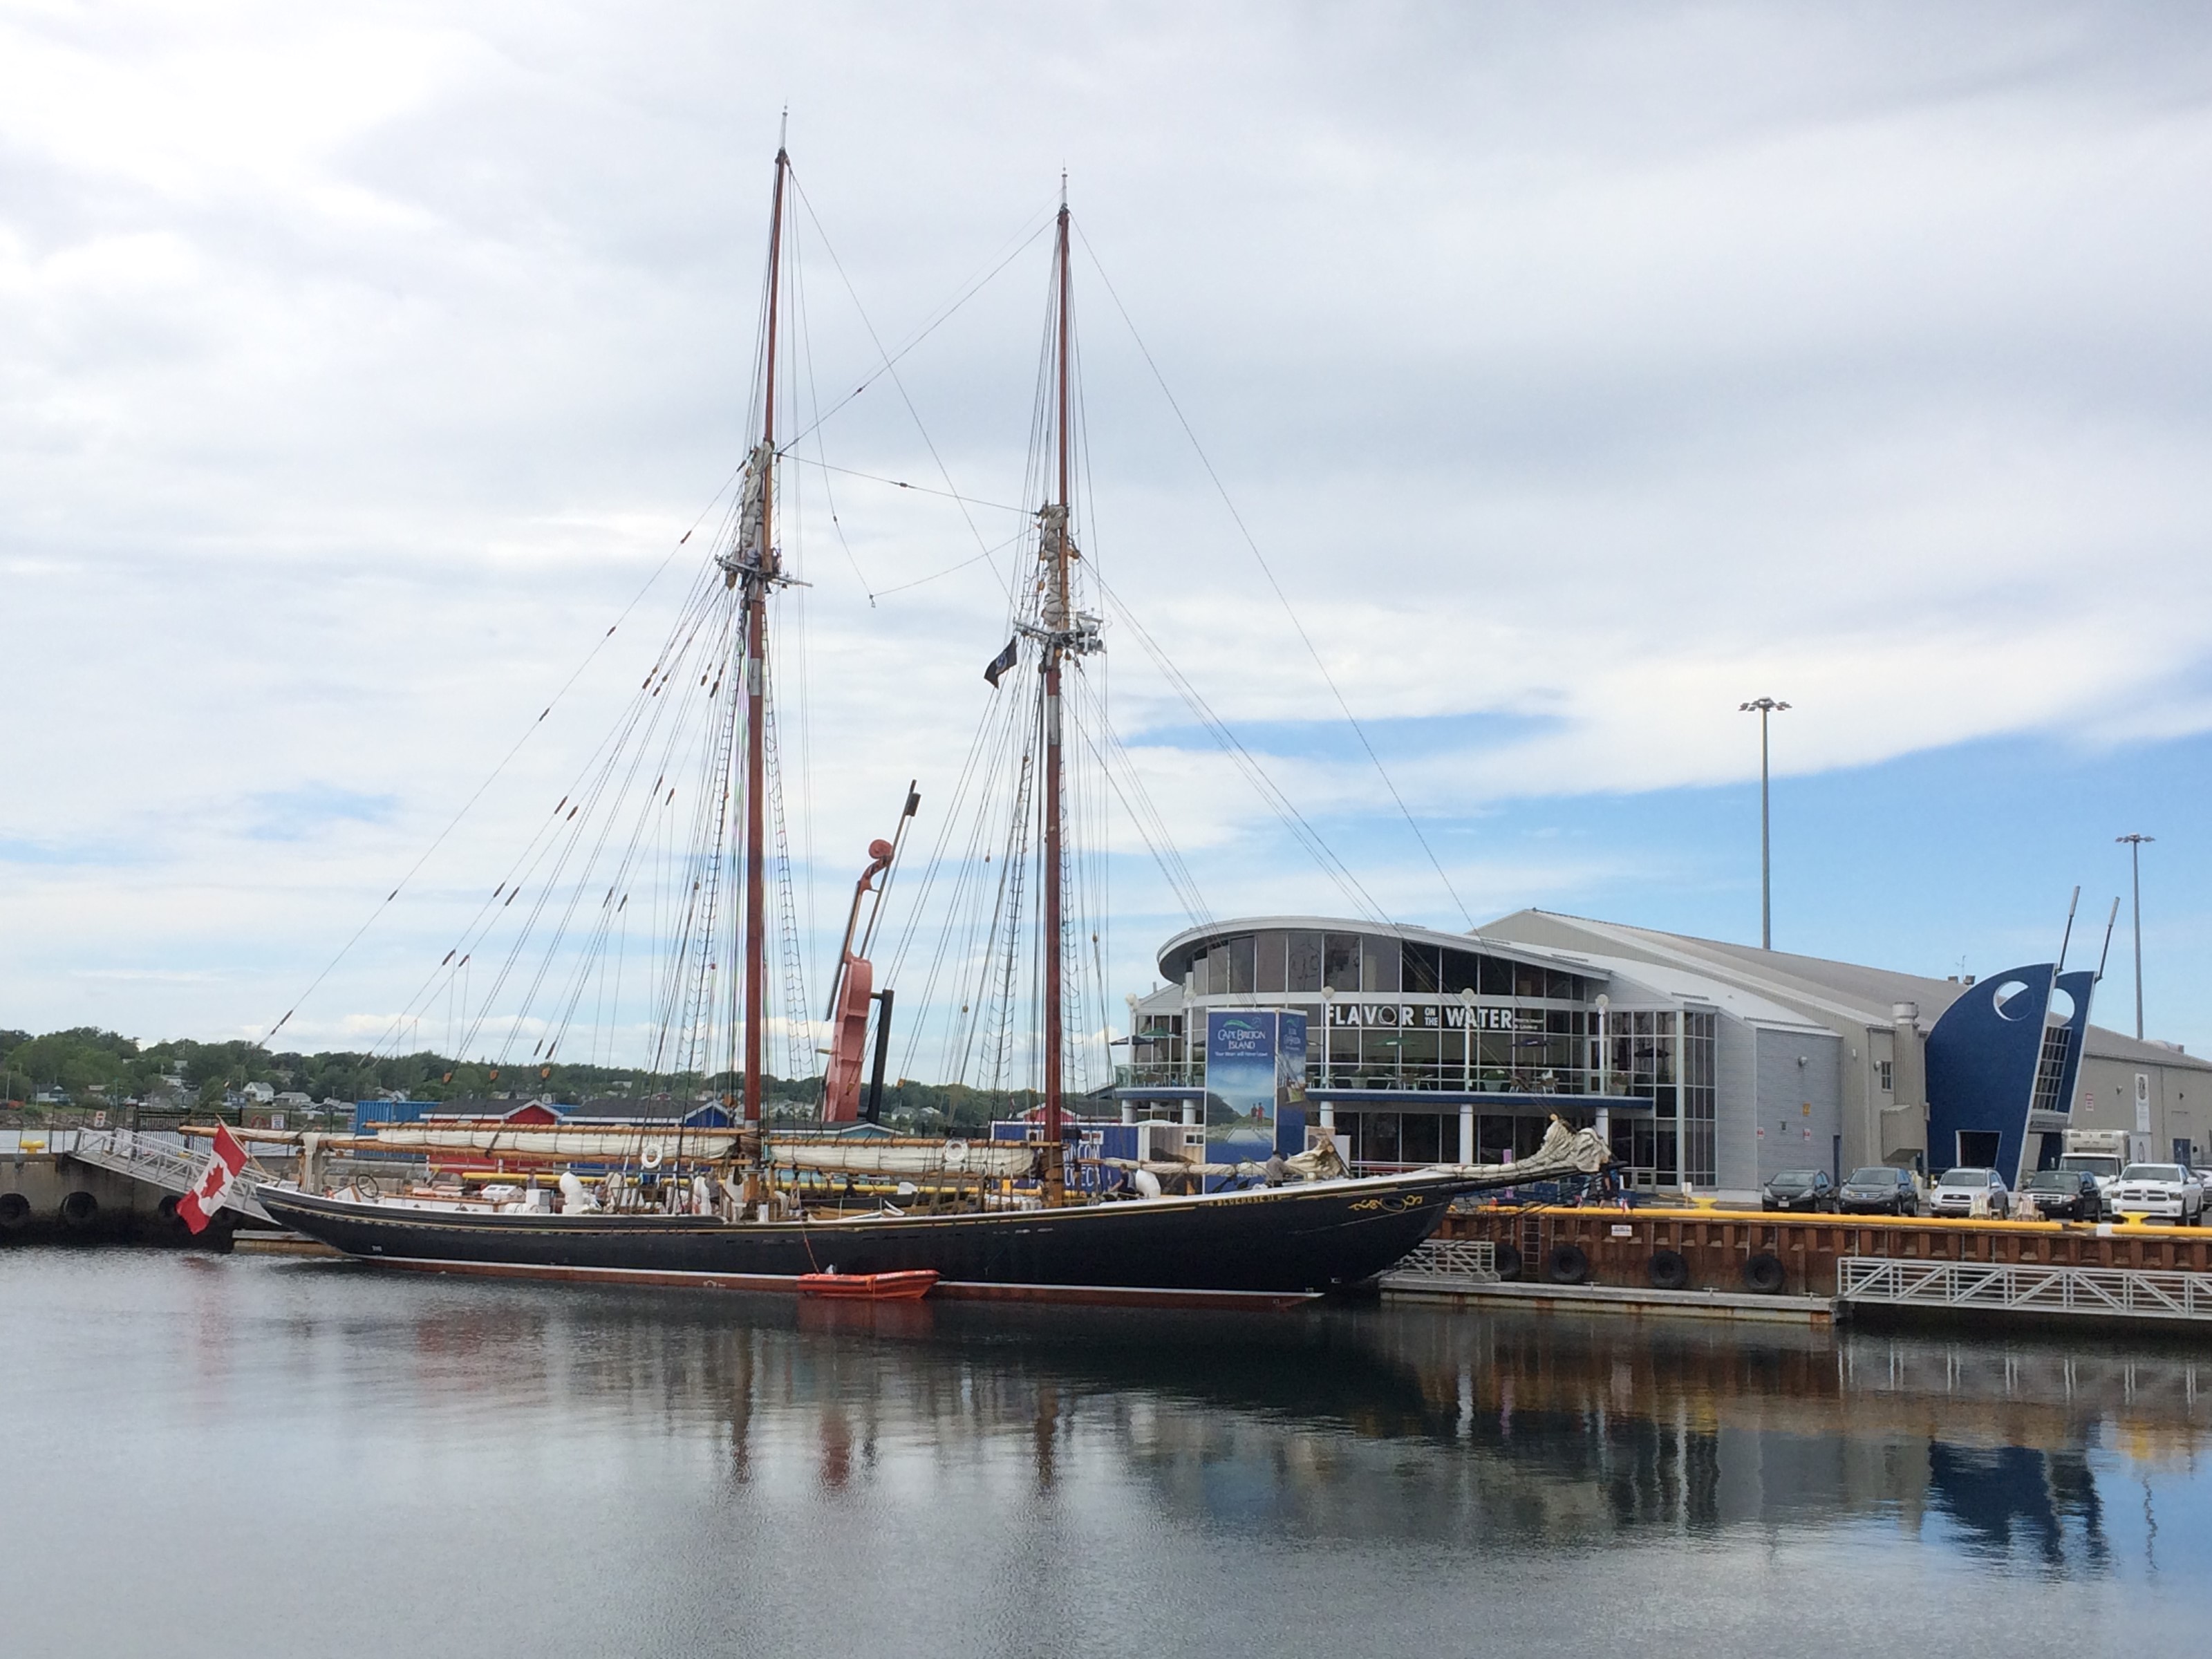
(2134, 845)
(1764, 707)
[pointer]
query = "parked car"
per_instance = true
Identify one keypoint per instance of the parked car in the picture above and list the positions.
(1956, 1193)
(2062, 1195)
(1799, 1189)
(1880, 1186)
(2165, 1191)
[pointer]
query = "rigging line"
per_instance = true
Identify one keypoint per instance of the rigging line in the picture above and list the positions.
(544, 895)
(1265, 787)
(647, 709)
(814, 399)
(587, 879)
(1145, 821)
(930, 326)
(606, 754)
(642, 705)
(980, 750)
(929, 443)
(919, 489)
(958, 938)
(415, 869)
(1259, 558)
(951, 569)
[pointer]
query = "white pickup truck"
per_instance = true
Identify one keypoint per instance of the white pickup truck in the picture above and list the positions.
(2165, 1191)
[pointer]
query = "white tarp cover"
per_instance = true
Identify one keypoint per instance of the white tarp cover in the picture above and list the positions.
(601, 1145)
(999, 1160)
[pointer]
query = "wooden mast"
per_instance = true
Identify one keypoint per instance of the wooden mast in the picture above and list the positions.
(1058, 618)
(759, 575)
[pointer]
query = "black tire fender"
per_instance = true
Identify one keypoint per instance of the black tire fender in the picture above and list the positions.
(80, 1209)
(1566, 1265)
(1668, 1270)
(1507, 1262)
(15, 1212)
(1764, 1273)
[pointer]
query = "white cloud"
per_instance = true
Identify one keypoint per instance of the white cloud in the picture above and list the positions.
(1583, 375)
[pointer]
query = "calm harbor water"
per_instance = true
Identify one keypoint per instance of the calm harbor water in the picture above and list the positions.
(259, 1456)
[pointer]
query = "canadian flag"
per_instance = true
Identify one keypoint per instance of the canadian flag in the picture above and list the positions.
(213, 1184)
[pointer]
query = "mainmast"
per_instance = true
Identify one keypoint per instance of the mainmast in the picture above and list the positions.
(1064, 632)
(756, 564)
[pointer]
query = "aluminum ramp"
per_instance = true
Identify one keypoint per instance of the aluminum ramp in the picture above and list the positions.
(157, 1163)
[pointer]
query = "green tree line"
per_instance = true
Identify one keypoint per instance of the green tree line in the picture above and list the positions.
(94, 1067)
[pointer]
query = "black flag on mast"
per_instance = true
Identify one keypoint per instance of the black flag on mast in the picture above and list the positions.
(1005, 661)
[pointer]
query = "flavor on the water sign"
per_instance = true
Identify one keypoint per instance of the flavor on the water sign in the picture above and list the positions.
(1256, 1084)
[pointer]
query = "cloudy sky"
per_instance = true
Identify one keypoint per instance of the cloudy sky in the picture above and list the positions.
(1578, 372)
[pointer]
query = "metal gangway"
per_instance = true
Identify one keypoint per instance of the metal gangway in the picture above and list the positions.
(2026, 1287)
(1445, 1264)
(165, 1163)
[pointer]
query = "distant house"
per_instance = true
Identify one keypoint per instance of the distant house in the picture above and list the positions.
(258, 1094)
(292, 1101)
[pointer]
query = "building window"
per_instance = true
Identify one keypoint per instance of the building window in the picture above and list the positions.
(1268, 974)
(1340, 962)
(1378, 964)
(1699, 1095)
(1884, 1071)
(1304, 961)
(1240, 955)
(1417, 970)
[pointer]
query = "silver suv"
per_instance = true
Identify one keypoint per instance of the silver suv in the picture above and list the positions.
(1956, 1192)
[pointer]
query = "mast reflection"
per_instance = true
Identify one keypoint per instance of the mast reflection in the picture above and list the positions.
(1508, 1433)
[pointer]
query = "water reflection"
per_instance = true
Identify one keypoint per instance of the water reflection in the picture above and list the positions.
(963, 1465)
(1521, 1432)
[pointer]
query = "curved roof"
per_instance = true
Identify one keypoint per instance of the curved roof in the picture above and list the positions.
(1175, 957)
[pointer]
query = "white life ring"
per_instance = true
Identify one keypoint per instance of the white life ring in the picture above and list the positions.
(956, 1154)
(650, 1157)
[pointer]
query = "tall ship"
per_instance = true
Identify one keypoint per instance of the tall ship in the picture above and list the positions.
(714, 1195)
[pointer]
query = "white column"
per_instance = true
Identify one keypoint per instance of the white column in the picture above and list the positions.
(1604, 1046)
(1189, 1113)
(1128, 1111)
(1681, 1109)
(1329, 1118)
(1466, 1134)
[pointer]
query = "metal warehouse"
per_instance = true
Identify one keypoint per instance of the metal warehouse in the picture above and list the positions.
(1708, 1066)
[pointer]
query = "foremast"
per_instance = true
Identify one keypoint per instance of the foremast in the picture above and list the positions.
(1064, 633)
(755, 563)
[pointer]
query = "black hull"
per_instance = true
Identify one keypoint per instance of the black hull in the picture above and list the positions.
(1279, 1243)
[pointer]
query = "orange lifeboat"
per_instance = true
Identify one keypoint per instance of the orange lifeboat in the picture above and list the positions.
(869, 1287)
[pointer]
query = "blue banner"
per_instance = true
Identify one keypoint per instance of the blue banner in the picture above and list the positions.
(1255, 1084)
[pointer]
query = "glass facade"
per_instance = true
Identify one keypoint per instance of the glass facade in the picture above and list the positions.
(1386, 1012)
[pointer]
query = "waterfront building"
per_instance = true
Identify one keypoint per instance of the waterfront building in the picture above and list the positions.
(1706, 1064)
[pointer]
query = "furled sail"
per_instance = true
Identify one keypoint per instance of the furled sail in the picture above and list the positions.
(995, 1160)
